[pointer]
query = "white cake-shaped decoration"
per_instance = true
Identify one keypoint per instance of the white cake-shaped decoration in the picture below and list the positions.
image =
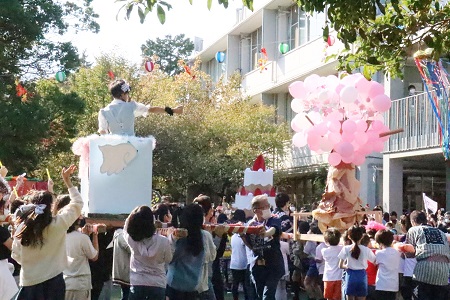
(257, 181)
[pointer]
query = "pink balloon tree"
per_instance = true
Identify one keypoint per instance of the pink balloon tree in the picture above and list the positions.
(342, 117)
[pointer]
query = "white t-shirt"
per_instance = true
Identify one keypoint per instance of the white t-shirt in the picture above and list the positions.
(408, 266)
(331, 272)
(310, 249)
(238, 259)
(284, 247)
(79, 249)
(388, 261)
(361, 262)
(320, 266)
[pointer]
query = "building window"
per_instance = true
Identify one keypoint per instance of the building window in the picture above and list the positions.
(215, 69)
(303, 27)
(255, 46)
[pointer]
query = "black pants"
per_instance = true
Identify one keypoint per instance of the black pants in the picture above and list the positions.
(52, 289)
(238, 277)
(407, 286)
(385, 295)
(432, 292)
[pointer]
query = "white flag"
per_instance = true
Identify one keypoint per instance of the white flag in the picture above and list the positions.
(429, 204)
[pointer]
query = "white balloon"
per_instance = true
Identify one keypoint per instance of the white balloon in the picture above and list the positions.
(349, 94)
(297, 105)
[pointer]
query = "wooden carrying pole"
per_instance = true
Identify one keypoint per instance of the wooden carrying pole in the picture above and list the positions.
(377, 215)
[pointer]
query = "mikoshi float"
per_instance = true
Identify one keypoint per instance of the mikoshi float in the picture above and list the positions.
(344, 119)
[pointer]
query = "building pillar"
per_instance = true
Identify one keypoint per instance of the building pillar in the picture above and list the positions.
(447, 187)
(392, 184)
(368, 179)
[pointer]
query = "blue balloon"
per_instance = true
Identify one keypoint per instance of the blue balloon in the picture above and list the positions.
(220, 56)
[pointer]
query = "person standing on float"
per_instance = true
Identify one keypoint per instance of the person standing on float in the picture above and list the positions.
(118, 116)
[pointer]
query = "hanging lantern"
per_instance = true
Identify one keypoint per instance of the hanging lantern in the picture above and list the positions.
(60, 76)
(330, 40)
(149, 65)
(220, 56)
(283, 48)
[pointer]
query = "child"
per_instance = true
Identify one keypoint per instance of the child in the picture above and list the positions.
(40, 242)
(118, 116)
(371, 268)
(332, 274)
(354, 258)
(149, 254)
(388, 261)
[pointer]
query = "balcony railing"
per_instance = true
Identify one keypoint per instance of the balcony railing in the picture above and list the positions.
(421, 127)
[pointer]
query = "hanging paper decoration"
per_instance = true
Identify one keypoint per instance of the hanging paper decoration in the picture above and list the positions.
(60, 76)
(21, 91)
(263, 60)
(330, 40)
(188, 70)
(220, 57)
(435, 79)
(149, 66)
(283, 48)
(111, 75)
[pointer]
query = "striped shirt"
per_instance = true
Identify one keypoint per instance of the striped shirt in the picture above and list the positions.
(430, 243)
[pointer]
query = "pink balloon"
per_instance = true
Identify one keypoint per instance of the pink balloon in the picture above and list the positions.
(377, 126)
(363, 86)
(334, 116)
(347, 160)
(345, 149)
(361, 125)
(378, 146)
(349, 126)
(338, 89)
(351, 79)
(334, 159)
(375, 89)
(297, 89)
(334, 126)
(358, 158)
(321, 128)
(331, 81)
(313, 141)
(348, 137)
(299, 139)
(326, 145)
(312, 82)
(335, 137)
(361, 138)
(297, 105)
(294, 126)
(381, 103)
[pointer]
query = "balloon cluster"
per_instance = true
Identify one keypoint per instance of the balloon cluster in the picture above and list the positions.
(341, 116)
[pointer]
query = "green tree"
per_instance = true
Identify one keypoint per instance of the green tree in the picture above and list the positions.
(378, 35)
(35, 130)
(204, 150)
(146, 6)
(169, 51)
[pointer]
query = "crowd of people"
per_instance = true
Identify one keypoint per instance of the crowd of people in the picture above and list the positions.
(166, 252)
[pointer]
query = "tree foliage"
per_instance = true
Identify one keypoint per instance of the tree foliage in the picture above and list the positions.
(169, 50)
(378, 35)
(40, 128)
(204, 150)
(144, 7)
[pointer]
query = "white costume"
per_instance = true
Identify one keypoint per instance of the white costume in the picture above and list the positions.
(118, 116)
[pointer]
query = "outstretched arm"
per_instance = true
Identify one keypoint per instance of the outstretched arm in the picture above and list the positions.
(170, 111)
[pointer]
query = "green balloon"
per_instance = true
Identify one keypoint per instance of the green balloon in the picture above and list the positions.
(60, 76)
(283, 47)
